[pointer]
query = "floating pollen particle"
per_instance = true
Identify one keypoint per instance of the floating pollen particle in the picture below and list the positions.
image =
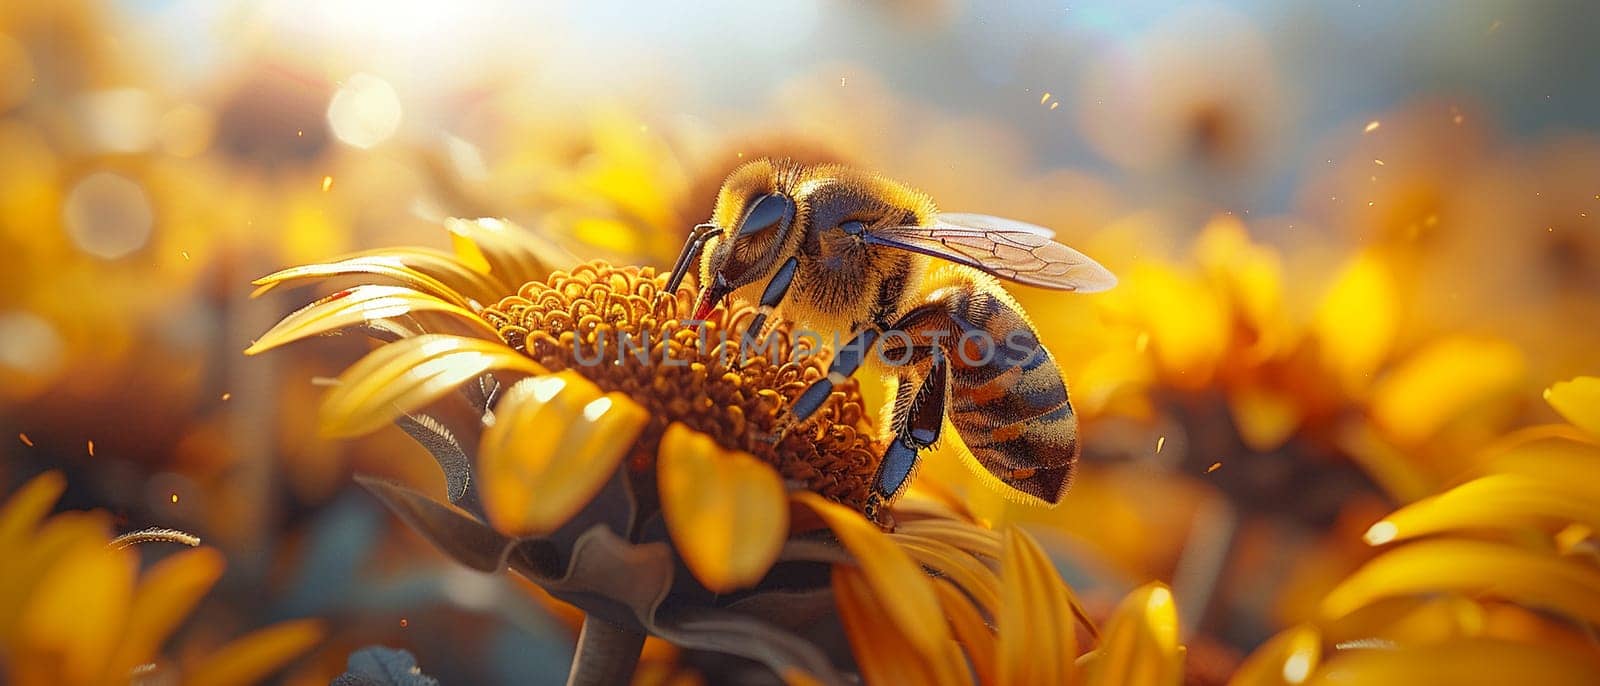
(91, 448)
(1372, 126)
(327, 182)
(1160, 443)
(1214, 467)
(25, 440)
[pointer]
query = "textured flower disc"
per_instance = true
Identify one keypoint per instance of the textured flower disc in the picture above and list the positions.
(615, 326)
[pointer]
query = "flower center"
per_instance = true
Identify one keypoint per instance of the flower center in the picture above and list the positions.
(616, 327)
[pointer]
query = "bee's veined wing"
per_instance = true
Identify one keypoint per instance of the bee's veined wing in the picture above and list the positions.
(991, 222)
(1009, 251)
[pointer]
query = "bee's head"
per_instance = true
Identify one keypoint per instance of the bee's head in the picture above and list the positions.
(757, 215)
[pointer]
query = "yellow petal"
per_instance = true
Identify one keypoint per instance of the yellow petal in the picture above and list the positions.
(884, 655)
(968, 537)
(1553, 459)
(1356, 322)
(1396, 470)
(1038, 641)
(27, 567)
(1140, 643)
(970, 630)
(1498, 501)
(1466, 662)
(967, 571)
(1266, 417)
(1497, 570)
(1287, 659)
(555, 443)
(504, 250)
(1186, 318)
(906, 593)
(1578, 401)
(70, 624)
(1251, 274)
(404, 376)
(27, 507)
(359, 305)
(1442, 381)
(166, 595)
(253, 657)
(727, 511)
(447, 269)
(387, 266)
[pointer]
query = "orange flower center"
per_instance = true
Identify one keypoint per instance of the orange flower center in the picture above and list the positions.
(615, 326)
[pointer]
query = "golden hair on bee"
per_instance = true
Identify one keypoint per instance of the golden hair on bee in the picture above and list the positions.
(835, 248)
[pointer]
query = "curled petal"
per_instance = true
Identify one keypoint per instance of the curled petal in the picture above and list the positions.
(968, 572)
(402, 377)
(357, 306)
(1497, 501)
(1579, 401)
(1475, 567)
(887, 656)
(970, 630)
(506, 251)
(1287, 659)
(450, 270)
(1464, 662)
(555, 442)
(387, 266)
(726, 510)
(1038, 637)
(896, 580)
(973, 539)
(1552, 459)
(1140, 645)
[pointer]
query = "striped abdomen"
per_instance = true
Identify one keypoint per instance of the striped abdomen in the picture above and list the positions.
(1008, 402)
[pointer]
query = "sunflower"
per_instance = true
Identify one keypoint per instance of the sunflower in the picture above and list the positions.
(1494, 580)
(598, 445)
(75, 609)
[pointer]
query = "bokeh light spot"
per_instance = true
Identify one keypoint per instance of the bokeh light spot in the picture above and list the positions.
(365, 112)
(108, 216)
(29, 345)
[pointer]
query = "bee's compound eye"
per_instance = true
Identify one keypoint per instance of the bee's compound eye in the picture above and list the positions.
(768, 211)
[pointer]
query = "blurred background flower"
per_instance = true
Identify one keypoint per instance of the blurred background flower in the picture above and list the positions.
(1356, 243)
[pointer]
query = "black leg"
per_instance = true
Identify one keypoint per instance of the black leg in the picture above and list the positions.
(918, 417)
(691, 250)
(770, 298)
(845, 363)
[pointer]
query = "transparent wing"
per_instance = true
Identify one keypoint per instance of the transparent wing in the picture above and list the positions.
(987, 221)
(1023, 255)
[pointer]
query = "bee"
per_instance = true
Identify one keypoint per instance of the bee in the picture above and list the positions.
(829, 247)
